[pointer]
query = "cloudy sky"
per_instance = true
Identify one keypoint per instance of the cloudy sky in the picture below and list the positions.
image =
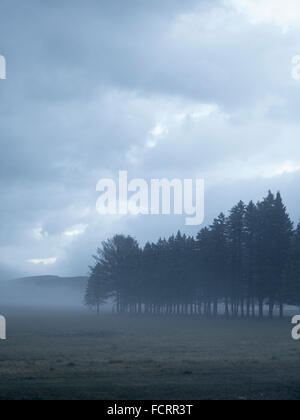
(160, 88)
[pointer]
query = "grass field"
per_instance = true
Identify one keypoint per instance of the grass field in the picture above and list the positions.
(74, 355)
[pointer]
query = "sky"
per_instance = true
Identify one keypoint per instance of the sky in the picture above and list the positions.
(161, 89)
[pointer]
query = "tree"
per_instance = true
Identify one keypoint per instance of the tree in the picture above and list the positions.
(251, 255)
(282, 241)
(236, 238)
(248, 259)
(117, 264)
(291, 293)
(99, 288)
(219, 262)
(275, 234)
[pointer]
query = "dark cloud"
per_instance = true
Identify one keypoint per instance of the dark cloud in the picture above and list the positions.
(162, 89)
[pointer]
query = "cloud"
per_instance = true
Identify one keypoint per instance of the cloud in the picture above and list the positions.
(286, 168)
(283, 13)
(43, 261)
(39, 233)
(76, 231)
(173, 89)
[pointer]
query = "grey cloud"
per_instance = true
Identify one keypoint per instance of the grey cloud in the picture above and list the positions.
(87, 82)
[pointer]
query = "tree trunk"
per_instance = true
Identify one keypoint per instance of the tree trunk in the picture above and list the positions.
(215, 307)
(253, 307)
(281, 310)
(226, 308)
(242, 308)
(261, 308)
(271, 308)
(248, 307)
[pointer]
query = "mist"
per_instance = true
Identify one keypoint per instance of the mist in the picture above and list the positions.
(134, 305)
(43, 291)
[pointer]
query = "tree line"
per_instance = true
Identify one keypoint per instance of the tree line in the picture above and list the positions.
(241, 264)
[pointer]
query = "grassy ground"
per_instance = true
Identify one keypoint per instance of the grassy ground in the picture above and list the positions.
(51, 355)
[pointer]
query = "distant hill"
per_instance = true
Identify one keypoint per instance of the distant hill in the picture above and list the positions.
(43, 290)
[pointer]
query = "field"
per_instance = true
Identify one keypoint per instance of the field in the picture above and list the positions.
(75, 355)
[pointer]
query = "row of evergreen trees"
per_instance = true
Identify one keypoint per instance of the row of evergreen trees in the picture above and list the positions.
(235, 267)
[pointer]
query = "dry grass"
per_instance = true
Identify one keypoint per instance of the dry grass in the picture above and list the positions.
(52, 355)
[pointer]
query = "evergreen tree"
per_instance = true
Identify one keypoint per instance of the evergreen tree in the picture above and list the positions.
(220, 252)
(236, 237)
(292, 272)
(282, 241)
(249, 259)
(99, 288)
(251, 256)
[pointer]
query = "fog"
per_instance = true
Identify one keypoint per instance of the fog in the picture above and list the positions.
(45, 291)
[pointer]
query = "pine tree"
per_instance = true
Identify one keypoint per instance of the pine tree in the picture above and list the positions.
(292, 272)
(99, 288)
(251, 255)
(282, 240)
(219, 268)
(236, 236)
